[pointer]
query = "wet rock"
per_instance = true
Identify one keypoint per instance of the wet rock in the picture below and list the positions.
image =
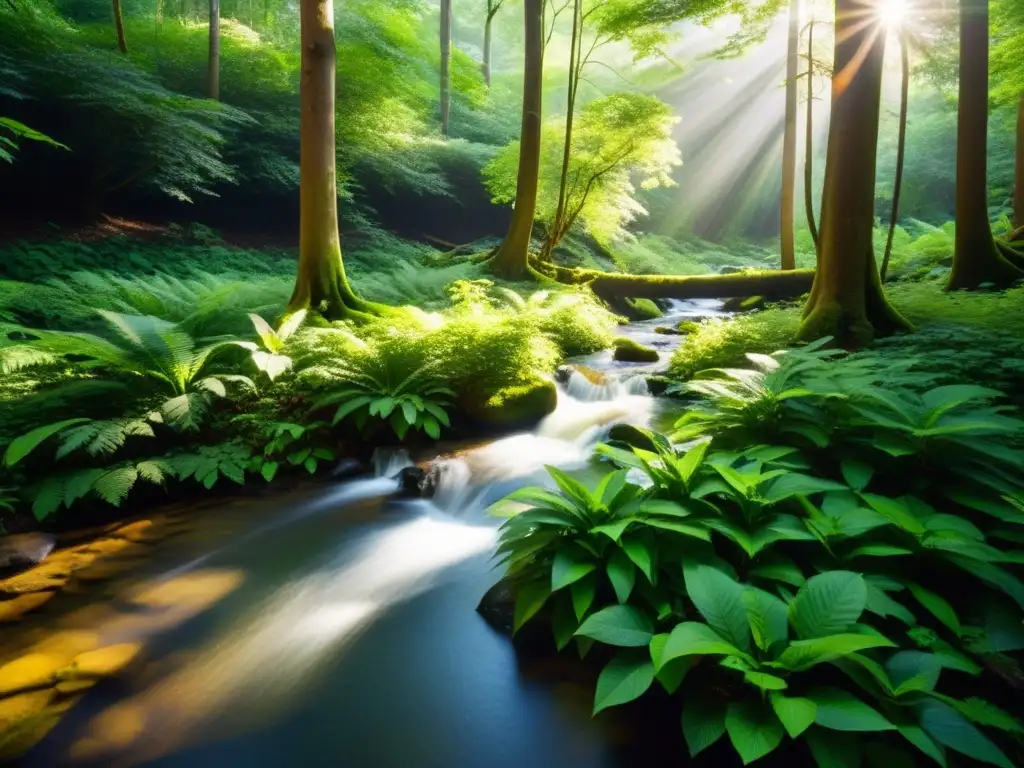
(411, 482)
(744, 304)
(103, 662)
(658, 385)
(517, 407)
(347, 468)
(32, 671)
(14, 609)
(629, 351)
(498, 607)
(632, 436)
(21, 550)
(730, 270)
(664, 330)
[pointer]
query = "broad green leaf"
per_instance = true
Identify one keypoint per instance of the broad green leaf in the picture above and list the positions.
(768, 618)
(620, 625)
(764, 681)
(857, 474)
(570, 565)
(953, 730)
(804, 654)
(614, 530)
(833, 749)
(530, 599)
(583, 592)
(882, 605)
(666, 508)
(692, 638)
(913, 671)
(895, 511)
(693, 531)
(753, 729)
(563, 621)
(571, 487)
(795, 713)
(828, 604)
(719, 599)
(625, 678)
(703, 724)
(641, 550)
(985, 713)
(878, 550)
(269, 470)
(794, 484)
(839, 710)
(622, 574)
(937, 606)
(915, 735)
(22, 446)
(610, 486)
(779, 569)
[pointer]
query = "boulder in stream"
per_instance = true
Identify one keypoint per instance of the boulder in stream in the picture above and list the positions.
(21, 550)
(521, 406)
(629, 351)
(744, 304)
(411, 483)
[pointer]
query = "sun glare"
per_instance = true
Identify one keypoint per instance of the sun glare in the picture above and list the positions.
(893, 13)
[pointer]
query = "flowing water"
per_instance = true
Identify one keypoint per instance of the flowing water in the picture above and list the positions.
(337, 627)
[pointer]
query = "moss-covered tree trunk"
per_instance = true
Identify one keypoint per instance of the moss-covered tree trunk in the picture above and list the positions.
(1018, 184)
(788, 208)
(213, 70)
(513, 256)
(846, 301)
(901, 154)
(976, 259)
(446, 64)
(812, 224)
(122, 44)
(321, 284)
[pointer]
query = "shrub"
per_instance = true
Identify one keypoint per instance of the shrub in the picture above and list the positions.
(800, 572)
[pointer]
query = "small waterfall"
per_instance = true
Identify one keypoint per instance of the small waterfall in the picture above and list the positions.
(388, 462)
(579, 387)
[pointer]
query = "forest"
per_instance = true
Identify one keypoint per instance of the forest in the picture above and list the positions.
(512, 382)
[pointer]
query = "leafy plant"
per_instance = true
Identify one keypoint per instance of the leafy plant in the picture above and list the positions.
(297, 445)
(270, 359)
(11, 130)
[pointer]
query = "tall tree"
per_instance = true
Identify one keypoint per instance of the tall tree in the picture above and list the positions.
(847, 301)
(122, 44)
(1018, 182)
(788, 208)
(493, 6)
(513, 256)
(213, 71)
(812, 225)
(977, 258)
(446, 64)
(901, 151)
(321, 284)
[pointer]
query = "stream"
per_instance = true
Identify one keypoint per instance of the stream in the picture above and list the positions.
(338, 626)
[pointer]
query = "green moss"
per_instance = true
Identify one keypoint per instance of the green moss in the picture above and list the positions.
(744, 304)
(514, 407)
(629, 351)
(644, 309)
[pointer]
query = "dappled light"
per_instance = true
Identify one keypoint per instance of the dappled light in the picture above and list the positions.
(459, 383)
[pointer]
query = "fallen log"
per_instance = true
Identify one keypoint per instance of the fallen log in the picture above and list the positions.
(773, 286)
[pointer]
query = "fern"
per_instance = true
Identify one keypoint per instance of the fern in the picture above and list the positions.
(102, 438)
(111, 484)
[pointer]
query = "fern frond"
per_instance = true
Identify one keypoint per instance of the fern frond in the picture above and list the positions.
(22, 356)
(186, 411)
(114, 485)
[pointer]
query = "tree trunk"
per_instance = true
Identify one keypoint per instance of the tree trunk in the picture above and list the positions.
(846, 301)
(446, 64)
(321, 284)
(977, 258)
(812, 225)
(513, 256)
(1018, 184)
(213, 72)
(575, 54)
(122, 44)
(488, 31)
(772, 285)
(901, 153)
(788, 236)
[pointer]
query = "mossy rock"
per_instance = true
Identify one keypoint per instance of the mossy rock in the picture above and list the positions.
(631, 436)
(644, 309)
(744, 304)
(664, 330)
(629, 351)
(658, 385)
(687, 326)
(518, 406)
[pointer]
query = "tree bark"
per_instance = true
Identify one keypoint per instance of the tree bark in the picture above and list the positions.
(901, 154)
(575, 54)
(492, 11)
(321, 285)
(976, 259)
(788, 209)
(772, 285)
(446, 64)
(213, 71)
(513, 256)
(847, 301)
(122, 44)
(812, 225)
(1018, 184)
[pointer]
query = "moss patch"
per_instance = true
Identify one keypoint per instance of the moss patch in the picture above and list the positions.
(629, 351)
(521, 405)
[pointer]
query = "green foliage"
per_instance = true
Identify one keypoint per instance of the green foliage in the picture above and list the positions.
(793, 571)
(11, 130)
(284, 444)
